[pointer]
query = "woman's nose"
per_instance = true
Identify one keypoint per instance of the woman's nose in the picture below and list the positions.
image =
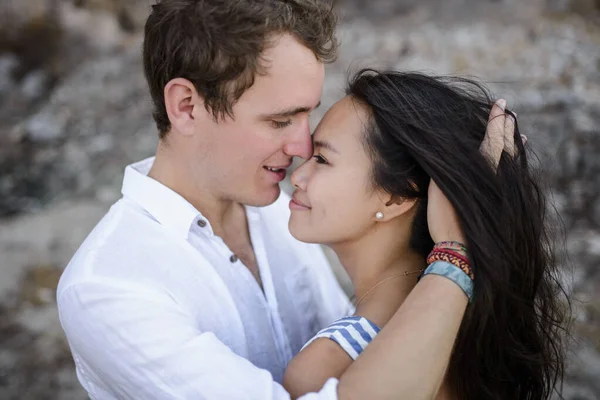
(299, 176)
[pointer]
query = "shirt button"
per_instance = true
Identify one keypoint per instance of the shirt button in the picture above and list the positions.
(201, 223)
(233, 258)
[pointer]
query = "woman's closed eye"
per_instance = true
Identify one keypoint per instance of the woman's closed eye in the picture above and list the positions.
(320, 159)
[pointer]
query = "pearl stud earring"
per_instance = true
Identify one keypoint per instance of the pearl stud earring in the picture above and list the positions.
(379, 215)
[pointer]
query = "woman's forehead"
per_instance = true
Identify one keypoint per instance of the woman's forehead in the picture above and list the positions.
(342, 127)
(345, 116)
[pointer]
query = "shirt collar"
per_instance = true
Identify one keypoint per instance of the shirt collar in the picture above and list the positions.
(167, 207)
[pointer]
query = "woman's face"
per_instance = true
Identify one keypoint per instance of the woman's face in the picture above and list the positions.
(334, 201)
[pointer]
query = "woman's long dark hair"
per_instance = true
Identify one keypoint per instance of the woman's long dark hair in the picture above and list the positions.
(510, 344)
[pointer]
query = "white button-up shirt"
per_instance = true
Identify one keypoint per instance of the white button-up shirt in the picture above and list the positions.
(155, 306)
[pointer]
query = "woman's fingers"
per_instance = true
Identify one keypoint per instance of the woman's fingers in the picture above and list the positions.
(493, 142)
(442, 220)
(509, 135)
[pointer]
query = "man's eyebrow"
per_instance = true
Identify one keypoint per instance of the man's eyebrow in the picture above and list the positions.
(291, 112)
(325, 145)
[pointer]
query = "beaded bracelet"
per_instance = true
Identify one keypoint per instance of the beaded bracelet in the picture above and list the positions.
(463, 258)
(450, 246)
(452, 257)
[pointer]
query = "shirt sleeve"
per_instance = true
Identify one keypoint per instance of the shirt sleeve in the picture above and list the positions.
(130, 344)
(352, 334)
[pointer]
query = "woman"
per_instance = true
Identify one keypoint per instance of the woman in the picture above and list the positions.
(364, 194)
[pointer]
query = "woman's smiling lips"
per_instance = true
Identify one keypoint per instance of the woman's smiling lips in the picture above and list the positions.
(296, 204)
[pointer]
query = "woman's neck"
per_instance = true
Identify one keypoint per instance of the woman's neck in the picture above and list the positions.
(383, 254)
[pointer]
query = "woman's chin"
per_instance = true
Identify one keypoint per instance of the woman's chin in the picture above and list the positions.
(301, 234)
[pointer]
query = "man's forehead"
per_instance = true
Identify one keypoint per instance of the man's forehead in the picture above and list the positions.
(290, 69)
(286, 93)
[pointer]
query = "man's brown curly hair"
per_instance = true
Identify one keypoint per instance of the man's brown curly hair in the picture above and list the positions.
(217, 45)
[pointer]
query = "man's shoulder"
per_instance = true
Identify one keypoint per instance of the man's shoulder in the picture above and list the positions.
(126, 228)
(127, 242)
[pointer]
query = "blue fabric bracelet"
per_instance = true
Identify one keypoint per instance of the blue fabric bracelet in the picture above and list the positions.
(453, 273)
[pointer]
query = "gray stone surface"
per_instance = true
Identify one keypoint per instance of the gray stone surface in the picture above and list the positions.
(72, 119)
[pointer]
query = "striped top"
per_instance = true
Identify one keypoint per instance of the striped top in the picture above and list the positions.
(352, 334)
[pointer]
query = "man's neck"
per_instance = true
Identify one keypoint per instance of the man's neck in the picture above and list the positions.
(227, 217)
(224, 215)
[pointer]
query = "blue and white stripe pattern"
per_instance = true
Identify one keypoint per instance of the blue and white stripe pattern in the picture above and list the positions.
(353, 334)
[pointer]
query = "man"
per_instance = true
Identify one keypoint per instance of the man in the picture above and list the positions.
(191, 286)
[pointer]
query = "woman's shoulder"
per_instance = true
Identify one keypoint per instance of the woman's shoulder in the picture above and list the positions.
(351, 333)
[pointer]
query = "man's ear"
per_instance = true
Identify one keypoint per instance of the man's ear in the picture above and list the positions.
(182, 102)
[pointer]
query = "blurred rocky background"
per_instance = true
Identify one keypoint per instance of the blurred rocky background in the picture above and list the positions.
(74, 111)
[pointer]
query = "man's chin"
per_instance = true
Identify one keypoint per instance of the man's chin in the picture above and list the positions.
(265, 198)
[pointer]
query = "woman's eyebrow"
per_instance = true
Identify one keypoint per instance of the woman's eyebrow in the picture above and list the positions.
(325, 145)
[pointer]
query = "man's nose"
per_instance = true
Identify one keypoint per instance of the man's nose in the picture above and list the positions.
(299, 143)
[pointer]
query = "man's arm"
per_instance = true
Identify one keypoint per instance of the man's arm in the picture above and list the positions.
(134, 344)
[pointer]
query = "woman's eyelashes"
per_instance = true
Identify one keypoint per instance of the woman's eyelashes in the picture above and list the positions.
(320, 159)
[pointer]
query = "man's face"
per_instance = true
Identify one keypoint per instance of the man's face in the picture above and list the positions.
(249, 154)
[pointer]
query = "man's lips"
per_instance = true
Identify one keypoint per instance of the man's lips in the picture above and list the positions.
(278, 173)
(277, 168)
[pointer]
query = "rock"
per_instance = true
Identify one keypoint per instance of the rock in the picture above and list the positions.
(100, 29)
(46, 126)
(34, 365)
(35, 84)
(97, 120)
(8, 63)
(39, 285)
(16, 14)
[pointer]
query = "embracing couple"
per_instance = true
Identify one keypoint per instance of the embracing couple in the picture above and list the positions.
(204, 281)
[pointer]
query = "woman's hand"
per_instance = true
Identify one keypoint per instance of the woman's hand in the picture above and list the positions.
(441, 217)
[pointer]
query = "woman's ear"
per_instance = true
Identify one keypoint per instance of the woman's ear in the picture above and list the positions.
(395, 207)
(181, 103)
